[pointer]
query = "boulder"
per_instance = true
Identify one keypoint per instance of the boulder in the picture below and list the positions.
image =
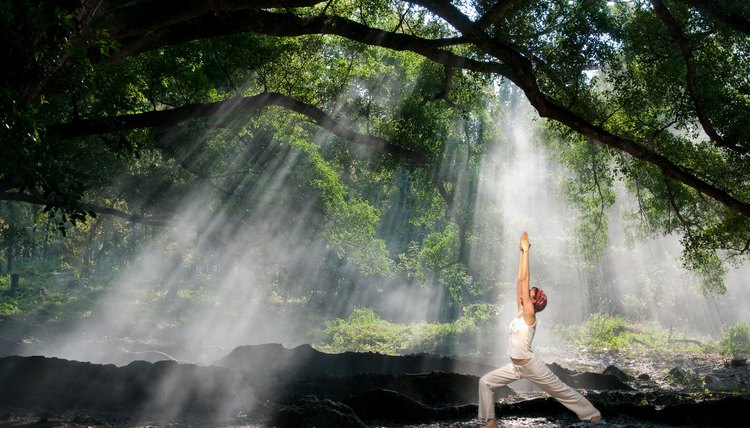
(616, 372)
(679, 376)
(390, 406)
(303, 362)
(588, 380)
(165, 388)
(312, 412)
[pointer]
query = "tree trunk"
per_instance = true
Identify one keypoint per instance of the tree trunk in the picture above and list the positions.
(14, 283)
(10, 254)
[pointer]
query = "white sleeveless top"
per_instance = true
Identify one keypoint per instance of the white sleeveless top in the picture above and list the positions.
(521, 336)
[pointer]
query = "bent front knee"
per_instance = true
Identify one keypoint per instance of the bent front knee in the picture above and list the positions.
(484, 383)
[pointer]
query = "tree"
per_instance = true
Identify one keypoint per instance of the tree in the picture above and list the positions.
(658, 85)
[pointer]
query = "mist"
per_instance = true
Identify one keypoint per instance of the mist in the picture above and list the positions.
(641, 279)
(232, 274)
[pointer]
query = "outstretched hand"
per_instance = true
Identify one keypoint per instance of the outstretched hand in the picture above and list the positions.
(525, 244)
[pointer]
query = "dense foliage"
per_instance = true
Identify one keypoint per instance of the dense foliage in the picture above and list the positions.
(365, 331)
(735, 340)
(352, 131)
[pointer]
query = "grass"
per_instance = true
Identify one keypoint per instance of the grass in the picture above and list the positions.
(366, 331)
(50, 295)
(735, 340)
(614, 333)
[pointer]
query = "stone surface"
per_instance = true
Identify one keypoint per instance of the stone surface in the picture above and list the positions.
(73, 393)
(312, 412)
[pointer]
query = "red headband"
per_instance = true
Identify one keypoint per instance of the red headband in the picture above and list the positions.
(540, 302)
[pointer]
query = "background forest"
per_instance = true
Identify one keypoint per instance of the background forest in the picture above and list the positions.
(355, 174)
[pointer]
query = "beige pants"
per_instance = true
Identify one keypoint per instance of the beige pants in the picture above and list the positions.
(536, 372)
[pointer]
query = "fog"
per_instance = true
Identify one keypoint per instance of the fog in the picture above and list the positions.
(210, 281)
(640, 279)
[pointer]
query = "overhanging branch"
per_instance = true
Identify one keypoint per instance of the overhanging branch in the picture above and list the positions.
(717, 11)
(497, 12)
(31, 199)
(145, 17)
(682, 43)
(232, 106)
(289, 25)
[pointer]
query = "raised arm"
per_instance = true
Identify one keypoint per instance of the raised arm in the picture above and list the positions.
(525, 303)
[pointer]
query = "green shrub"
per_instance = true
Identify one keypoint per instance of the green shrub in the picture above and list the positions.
(608, 332)
(366, 331)
(735, 340)
(601, 332)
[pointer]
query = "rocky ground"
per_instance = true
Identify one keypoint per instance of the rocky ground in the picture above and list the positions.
(268, 385)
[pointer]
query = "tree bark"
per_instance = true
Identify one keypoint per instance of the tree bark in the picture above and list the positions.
(238, 105)
(717, 11)
(10, 254)
(31, 199)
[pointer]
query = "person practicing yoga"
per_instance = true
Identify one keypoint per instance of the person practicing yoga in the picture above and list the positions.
(523, 363)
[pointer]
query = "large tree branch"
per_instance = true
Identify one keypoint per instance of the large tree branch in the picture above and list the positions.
(714, 8)
(232, 106)
(681, 41)
(497, 12)
(525, 75)
(288, 24)
(145, 17)
(31, 199)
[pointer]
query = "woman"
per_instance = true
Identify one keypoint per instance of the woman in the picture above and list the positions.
(524, 365)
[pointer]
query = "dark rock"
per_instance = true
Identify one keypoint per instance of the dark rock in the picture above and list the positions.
(164, 388)
(391, 406)
(273, 360)
(644, 376)
(587, 380)
(671, 408)
(716, 413)
(436, 388)
(616, 372)
(311, 412)
(50, 387)
(86, 419)
(738, 362)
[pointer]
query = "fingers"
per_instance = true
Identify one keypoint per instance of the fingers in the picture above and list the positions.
(525, 244)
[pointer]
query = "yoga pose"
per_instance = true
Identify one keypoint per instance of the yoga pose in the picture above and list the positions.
(524, 365)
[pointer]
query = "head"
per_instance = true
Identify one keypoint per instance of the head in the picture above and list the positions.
(539, 299)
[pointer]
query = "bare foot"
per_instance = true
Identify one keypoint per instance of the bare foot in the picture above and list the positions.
(491, 423)
(596, 419)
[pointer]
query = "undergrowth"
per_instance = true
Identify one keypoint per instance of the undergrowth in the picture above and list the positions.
(602, 332)
(47, 294)
(735, 340)
(366, 331)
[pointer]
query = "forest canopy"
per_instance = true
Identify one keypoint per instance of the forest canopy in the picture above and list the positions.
(381, 110)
